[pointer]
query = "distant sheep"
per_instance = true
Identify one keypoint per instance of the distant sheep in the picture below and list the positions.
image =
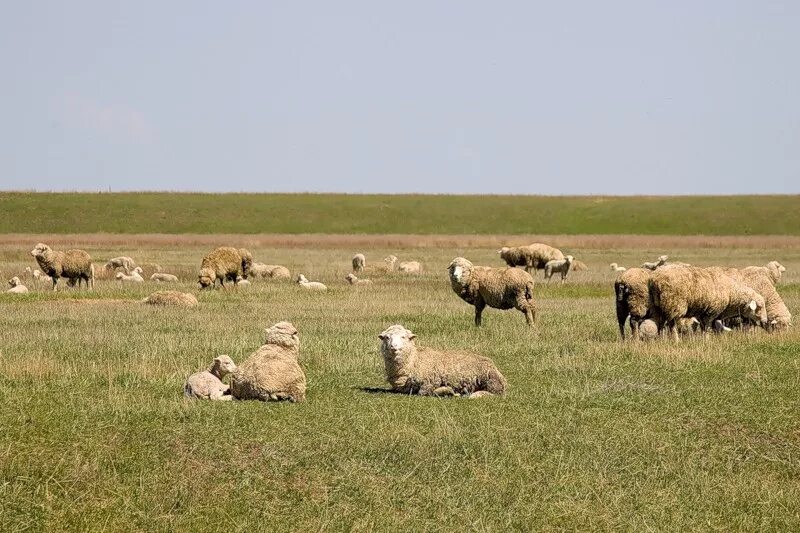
(124, 262)
(616, 268)
(310, 285)
(560, 266)
(162, 277)
(410, 267)
(426, 372)
(135, 276)
(278, 272)
(359, 261)
(388, 264)
(74, 265)
(654, 265)
(208, 385)
(171, 298)
(579, 266)
(16, 286)
(224, 263)
(353, 280)
(532, 257)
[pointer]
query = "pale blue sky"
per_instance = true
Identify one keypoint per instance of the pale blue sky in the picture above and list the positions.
(634, 97)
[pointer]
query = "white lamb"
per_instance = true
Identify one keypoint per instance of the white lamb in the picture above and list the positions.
(654, 265)
(160, 276)
(560, 266)
(208, 385)
(410, 267)
(310, 285)
(353, 280)
(616, 268)
(16, 286)
(135, 276)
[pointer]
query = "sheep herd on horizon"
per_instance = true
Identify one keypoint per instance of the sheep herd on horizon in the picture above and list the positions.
(659, 298)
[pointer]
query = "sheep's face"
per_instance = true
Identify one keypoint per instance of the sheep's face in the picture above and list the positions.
(397, 343)
(223, 365)
(459, 270)
(774, 265)
(756, 311)
(206, 278)
(301, 279)
(569, 259)
(662, 258)
(283, 334)
(351, 278)
(14, 281)
(138, 270)
(40, 250)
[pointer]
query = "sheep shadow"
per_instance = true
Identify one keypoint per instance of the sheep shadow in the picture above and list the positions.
(377, 390)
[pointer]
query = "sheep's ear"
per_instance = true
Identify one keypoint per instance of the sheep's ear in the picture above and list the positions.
(382, 337)
(753, 305)
(412, 337)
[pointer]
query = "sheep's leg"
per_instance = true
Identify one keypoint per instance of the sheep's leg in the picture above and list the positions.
(479, 307)
(55, 281)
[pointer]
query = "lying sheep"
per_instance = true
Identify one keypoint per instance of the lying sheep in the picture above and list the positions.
(532, 257)
(501, 288)
(616, 268)
(74, 265)
(578, 266)
(410, 267)
(561, 266)
(16, 286)
(135, 276)
(240, 282)
(427, 372)
(208, 385)
(161, 277)
(388, 264)
(278, 272)
(224, 263)
(272, 372)
(654, 265)
(259, 270)
(171, 298)
(359, 261)
(773, 269)
(632, 293)
(124, 262)
(353, 280)
(310, 285)
(707, 295)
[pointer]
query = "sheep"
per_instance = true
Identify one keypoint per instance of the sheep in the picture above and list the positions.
(706, 294)
(135, 276)
(632, 294)
(272, 372)
(240, 282)
(534, 256)
(578, 266)
(648, 329)
(208, 385)
(654, 265)
(773, 269)
(310, 285)
(388, 264)
(561, 266)
(616, 268)
(75, 265)
(410, 267)
(259, 270)
(359, 261)
(426, 372)
(224, 263)
(278, 272)
(247, 262)
(123, 262)
(171, 298)
(16, 286)
(353, 280)
(778, 315)
(501, 288)
(162, 277)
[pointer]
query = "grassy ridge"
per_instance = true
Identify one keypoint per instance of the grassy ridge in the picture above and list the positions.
(407, 214)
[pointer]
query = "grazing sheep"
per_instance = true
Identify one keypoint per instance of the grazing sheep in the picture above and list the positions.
(171, 298)
(310, 285)
(410, 267)
(278, 272)
(652, 266)
(272, 372)
(353, 280)
(773, 269)
(616, 268)
(501, 288)
(534, 256)
(224, 263)
(706, 294)
(561, 266)
(123, 262)
(778, 315)
(632, 299)
(208, 385)
(427, 372)
(16, 286)
(75, 265)
(359, 261)
(160, 276)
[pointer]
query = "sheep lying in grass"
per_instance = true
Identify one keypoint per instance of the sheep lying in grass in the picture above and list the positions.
(259, 270)
(224, 263)
(240, 282)
(124, 262)
(310, 285)
(632, 299)
(272, 372)
(410, 267)
(773, 269)
(578, 266)
(171, 298)
(561, 266)
(616, 268)
(353, 280)
(16, 286)
(388, 264)
(135, 277)
(278, 272)
(162, 277)
(654, 265)
(359, 261)
(532, 257)
(75, 265)
(208, 385)
(426, 372)
(501, 288)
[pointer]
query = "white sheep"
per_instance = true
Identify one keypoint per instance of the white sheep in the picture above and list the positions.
(359, 261)
(654, 265)
(353, 280)
(208, 385)
(123, 262)
(560, 266)
(16, 286)
(410, 267)
(134, 277)
(241, 282)
(616, 268)
(310, 285)
(161, 277)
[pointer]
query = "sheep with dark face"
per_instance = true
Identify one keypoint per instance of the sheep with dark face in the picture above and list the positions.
(16, 286)
(208, 385)
(359, 261)
(224, 263)
(74, 265)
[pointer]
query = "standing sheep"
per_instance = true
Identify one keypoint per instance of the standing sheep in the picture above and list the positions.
(427, 372)
(359, 262)
(501, 288)
(224, 263)
(272, 372)
(16, 286)
(652, 266)
(74, 265)
(208, 385)
(310, 285)
(353, 280)
(123, 262)
(561, 266)
(532, 257)
(632, 299)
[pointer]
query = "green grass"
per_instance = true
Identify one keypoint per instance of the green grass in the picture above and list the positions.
(593, 434)
(404, 214)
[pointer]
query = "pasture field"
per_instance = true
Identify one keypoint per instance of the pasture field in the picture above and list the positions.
(594, 434)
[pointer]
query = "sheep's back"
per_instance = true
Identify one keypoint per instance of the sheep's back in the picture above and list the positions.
(224, 261)
(75, 263)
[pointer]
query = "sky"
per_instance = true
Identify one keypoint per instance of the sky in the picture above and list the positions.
(528, 97)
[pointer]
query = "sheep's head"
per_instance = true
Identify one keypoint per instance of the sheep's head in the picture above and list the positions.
(283, 334)
(503, 250)
(351, 278)
(397, 345)
(390, 260)
(301, 279)
(460, 271)
(206, 278)
(774, 265)
(40, 250)
(569, 259)
(14, 281)
(222, 366)
(138, 270)
(614, 266)
(755, 310)
(663, 258)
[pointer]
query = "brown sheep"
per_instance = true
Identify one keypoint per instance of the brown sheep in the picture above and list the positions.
(224, 263)
(75, 265)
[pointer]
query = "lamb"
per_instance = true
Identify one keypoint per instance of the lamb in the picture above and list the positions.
(616, 268)
(16, 286)
(278, 272)
(75, 265)
(389, 262)
(632, 299)
(561, 266)
(171, 298)
(135, 277)
(272, 372)
(353, 280)
(534, 256)
(654, 265)
(162, 277)
(359, 261)
(224, 263)
(310, 285)
(578, 266)
(259, 270)
(410, 267)
(706, 294)
(208, 385)
(773, 269)
(501, 288)
(240, 282)
(427, 372)
(648, 329)
(123, 262)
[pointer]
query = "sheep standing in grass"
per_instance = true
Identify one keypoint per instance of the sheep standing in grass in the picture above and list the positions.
(16, 286)
(208, 385)
(413, 370)
(410, 267)
(359, 262)
(532, 257)
(124, 262)
(500, 288)
(778, 315)
(272, 372)
(171, 298)
(633, 299)
(616, 268)
(353, 280)
(654, 265)
(162, 277)
(310, 285)
(74, 265)
(561, 266)
(224, 263)
(773, 269)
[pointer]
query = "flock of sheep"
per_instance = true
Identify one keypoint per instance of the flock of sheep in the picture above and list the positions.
(658, 297)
